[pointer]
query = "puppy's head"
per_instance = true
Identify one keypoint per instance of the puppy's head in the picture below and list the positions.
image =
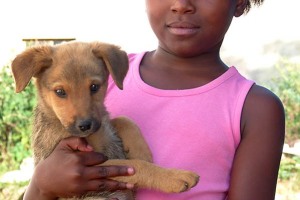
(72, 80)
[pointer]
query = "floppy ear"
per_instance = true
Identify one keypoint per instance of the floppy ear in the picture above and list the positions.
(29, 64)
(115, 60)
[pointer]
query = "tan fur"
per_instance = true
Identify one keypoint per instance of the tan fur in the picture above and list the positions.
(73, 69)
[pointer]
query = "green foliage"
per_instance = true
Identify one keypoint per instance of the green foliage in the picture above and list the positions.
(288, 89)
(15, 121)
(289, 168)
(289, 172)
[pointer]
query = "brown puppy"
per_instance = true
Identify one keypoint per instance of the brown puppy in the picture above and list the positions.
(71, 81)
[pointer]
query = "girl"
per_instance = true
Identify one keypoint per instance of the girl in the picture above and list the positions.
(195, 112)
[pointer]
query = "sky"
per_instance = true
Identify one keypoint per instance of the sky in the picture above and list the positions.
(125, 23)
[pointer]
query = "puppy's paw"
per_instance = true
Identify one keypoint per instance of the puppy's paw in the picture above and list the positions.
(179, 181)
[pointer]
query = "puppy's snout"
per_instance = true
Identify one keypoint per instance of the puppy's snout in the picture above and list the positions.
(85, 125)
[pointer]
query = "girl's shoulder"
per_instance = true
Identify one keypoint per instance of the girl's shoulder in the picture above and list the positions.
(261, 98)
(262, 111)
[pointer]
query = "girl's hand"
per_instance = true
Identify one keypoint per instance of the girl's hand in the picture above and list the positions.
(71, 170)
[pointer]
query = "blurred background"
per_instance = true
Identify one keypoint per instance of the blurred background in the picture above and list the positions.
(263, 44)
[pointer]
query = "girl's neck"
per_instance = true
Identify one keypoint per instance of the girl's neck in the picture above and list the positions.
(164, 70)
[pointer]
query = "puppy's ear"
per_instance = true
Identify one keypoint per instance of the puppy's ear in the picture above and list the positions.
(29, 64)
(115, 60)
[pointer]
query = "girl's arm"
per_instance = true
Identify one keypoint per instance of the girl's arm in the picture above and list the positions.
(70, 171)
(257, 160)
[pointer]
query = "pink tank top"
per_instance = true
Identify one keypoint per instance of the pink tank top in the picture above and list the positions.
(195, 129)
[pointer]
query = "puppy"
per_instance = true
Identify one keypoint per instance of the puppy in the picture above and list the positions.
(71, 81)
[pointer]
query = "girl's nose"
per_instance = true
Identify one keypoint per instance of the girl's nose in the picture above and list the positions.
(182, 7)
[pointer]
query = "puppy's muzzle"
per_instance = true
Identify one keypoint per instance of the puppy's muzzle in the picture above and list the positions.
(85, 127)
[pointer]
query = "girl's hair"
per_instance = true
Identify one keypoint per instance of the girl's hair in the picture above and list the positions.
(252, 2)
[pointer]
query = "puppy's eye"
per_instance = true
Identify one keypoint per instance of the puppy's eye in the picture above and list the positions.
(94, 88)
(60, 93)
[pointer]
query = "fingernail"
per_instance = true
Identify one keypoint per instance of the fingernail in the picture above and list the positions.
(129, 186)
(130, 170)
(89, 147)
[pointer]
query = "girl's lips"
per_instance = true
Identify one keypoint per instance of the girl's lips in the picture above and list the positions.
(182, 31)
(182, 28)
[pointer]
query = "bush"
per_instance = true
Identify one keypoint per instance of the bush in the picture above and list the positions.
(287, 87)
(290, 166)
(15, 121)
(288, 90)
(289, 172)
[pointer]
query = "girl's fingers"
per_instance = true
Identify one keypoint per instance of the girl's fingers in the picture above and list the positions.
(76, 144)
(100, 185)
(92, 158)
(105, 172)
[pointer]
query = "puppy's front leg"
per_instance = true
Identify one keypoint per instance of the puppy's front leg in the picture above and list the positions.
(148, 175)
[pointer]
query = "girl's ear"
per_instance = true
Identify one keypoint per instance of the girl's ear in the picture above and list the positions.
(240, 7)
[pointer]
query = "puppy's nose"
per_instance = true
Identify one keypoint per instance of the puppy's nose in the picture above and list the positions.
(85, 125)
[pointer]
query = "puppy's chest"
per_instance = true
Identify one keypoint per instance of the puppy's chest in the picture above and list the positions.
(106, 141)
(46, 135)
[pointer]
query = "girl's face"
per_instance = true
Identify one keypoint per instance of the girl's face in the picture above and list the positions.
(191, 27)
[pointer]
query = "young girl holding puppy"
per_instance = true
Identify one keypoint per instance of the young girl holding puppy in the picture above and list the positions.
(195, 112)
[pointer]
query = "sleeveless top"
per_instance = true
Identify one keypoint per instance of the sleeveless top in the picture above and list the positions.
(193, 129)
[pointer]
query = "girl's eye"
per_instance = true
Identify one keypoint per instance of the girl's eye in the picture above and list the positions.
(94, 88)
(60, 93)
